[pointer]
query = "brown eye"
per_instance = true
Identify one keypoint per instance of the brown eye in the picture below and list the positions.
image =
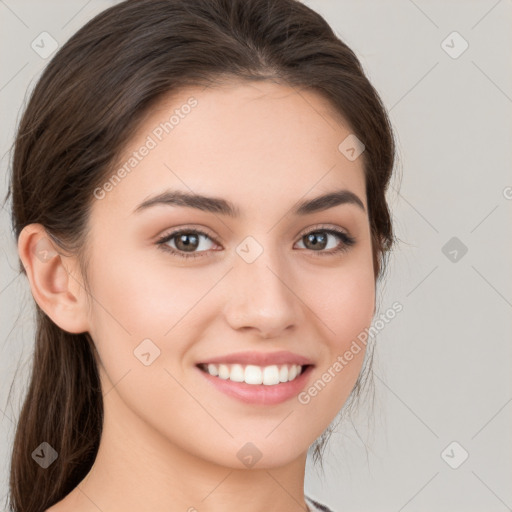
(315, 240)
(319, 240)
(185, 243)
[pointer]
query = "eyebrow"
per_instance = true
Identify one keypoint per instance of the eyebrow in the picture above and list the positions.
(224, 207)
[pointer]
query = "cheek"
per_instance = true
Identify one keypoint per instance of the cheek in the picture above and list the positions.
(144, 309)
(344, 300)
(140, 309)
(144, 300)
(351, 308)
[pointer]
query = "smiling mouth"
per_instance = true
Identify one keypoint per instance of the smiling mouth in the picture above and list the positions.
(270, 375)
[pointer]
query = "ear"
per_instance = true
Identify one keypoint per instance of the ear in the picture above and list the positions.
(55, 279)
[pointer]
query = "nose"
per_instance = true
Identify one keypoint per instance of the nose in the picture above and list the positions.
(261, 298)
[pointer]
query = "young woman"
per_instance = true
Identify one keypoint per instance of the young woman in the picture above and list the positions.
(198, 197)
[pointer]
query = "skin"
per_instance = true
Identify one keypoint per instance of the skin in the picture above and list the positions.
(170, 439)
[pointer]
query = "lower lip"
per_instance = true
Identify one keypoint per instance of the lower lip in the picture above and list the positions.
(260, 393)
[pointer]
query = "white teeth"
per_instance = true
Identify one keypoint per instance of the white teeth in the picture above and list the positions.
(223, 371)
(212, 370)
(251, 374)
(271, 375)
(237, 373)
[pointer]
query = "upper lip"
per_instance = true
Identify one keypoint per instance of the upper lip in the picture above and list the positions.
(259, 358)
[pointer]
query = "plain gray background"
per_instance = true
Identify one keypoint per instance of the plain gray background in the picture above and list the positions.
(443, 365)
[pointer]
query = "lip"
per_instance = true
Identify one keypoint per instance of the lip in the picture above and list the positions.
(260, 358)
(259, 394)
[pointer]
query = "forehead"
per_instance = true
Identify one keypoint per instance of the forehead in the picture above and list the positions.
(254, 143)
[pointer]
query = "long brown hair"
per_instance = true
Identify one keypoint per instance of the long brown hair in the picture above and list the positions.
(81, 114)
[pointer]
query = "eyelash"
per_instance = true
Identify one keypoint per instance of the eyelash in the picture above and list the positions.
(347, 240)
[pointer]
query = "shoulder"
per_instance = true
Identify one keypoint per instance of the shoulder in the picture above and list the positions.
(316, 506)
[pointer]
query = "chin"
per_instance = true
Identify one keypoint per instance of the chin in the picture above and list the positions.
(258, 452)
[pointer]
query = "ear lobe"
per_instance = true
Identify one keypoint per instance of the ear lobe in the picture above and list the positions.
(54, 279)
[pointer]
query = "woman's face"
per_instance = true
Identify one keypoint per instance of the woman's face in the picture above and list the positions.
(253, 283)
